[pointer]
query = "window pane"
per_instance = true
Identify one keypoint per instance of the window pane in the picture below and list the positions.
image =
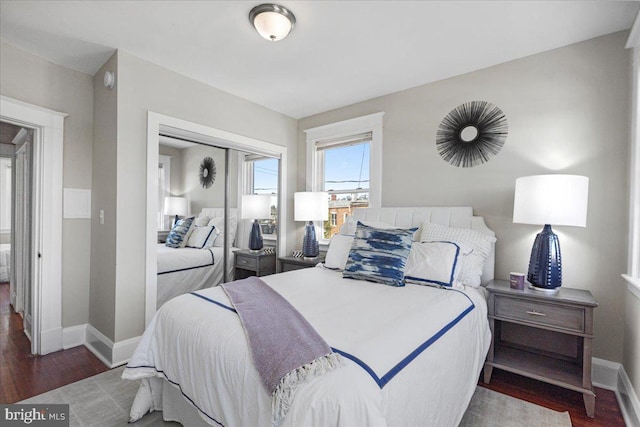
(346, 168)
(346, 179)
(265, 181)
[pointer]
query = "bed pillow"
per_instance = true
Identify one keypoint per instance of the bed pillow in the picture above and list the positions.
(433, 263)
(218, 223)
(202, 220)
(338, 252)
(179, 234)
(481, 245)
(348, 228)
(200, 236)
(379, 255)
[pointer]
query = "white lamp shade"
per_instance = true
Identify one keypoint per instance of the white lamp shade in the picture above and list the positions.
(176, 206)
(551, 199)
(256, 206)
(311, 206)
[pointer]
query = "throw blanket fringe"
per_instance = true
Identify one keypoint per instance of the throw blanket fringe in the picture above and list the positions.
(286, 389)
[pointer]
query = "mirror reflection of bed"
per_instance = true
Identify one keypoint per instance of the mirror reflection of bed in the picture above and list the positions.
(197, 184)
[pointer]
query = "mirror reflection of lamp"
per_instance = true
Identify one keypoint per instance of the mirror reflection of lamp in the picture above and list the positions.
(255, 207)
(177, 206)
(311, 206)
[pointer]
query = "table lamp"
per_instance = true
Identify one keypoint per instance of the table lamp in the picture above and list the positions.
(177, 206)
(255, 207)
(311, 206)
(546, 200)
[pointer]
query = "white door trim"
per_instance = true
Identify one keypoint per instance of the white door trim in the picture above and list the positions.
(212, 136)
(47, 218)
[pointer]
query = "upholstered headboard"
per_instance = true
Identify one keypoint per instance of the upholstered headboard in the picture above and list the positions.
(457, 217)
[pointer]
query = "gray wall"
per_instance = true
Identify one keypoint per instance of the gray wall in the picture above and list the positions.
(32, 79)
(104, 197)
(143, 87)
(568, 112)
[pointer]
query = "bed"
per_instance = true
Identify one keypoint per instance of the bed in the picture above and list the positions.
(183, 270)
(5, 262)
(410, 355)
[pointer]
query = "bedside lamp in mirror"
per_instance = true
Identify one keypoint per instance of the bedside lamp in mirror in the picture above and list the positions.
(255, 207)
(177, 207)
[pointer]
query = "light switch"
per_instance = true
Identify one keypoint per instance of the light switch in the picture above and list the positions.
(102, 216)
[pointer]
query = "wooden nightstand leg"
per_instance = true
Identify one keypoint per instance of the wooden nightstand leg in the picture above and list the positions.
(488, 370)
(589, 404)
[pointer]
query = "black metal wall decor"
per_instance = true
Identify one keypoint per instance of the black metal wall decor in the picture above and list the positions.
(471, 134)
(207, 172)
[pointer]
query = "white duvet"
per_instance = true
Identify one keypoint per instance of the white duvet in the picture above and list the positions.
(182, 270)
(412, 354)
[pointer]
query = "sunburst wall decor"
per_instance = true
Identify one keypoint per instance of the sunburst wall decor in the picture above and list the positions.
(471, 134)
(207, 172)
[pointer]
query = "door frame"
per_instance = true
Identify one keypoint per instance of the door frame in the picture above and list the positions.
(211, 136)
(46, 295)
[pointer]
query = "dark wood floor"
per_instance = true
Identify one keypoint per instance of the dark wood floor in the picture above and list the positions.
(559, 399)
(23, 375)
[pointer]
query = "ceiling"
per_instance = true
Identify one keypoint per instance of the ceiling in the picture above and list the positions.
(339, 53)
(8, 132)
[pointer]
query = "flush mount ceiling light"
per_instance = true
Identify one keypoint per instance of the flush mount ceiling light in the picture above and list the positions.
(272, 21)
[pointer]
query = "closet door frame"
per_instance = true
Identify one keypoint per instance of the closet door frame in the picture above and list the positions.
(157, 123)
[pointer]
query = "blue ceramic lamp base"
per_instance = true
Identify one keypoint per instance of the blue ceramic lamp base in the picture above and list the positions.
(310, 247)
(545, 264)
(255, 238)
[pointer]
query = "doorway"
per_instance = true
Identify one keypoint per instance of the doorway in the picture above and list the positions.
(36, 245)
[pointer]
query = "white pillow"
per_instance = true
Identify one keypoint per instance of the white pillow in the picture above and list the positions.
(433, 263)
(202, 237)
(338, 252)
(218, 223)
(202, 220)
(481, 245)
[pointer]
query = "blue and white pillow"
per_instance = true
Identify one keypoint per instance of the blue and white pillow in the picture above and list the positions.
(435, 263)
(379, 255)
(179, 234)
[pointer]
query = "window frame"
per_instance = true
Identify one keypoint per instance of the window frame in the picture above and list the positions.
(247, 184)
(314, 167)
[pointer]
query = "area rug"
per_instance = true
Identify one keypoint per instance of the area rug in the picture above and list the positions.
(105, 399)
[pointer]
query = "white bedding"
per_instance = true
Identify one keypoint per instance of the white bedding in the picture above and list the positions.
(412, 354)
(5, 262)
(182, 270)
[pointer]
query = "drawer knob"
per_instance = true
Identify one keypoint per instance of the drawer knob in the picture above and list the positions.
(535, 313)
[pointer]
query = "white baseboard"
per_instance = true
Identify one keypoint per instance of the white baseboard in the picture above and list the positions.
(74, 336)
(612, 376)
(110, 353)
(50, 340)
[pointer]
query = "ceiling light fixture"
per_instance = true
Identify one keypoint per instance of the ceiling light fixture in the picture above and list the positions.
(272, 21)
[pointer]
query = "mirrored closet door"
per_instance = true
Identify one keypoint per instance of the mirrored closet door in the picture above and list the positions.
(203, 187)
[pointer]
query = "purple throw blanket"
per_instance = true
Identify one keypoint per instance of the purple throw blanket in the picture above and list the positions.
(285, 348)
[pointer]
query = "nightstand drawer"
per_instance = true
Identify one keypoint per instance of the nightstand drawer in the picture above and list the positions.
(557, 316)
(247, 262)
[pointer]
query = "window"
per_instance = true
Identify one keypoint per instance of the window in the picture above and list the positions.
(164, 190)
(262, 178)
(345, 160)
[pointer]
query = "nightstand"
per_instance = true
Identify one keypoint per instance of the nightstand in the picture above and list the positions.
(251, 263)
(542, 336)
(289, 263)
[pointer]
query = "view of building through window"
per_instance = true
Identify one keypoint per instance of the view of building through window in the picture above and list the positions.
(265, 181)
(346, 179)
